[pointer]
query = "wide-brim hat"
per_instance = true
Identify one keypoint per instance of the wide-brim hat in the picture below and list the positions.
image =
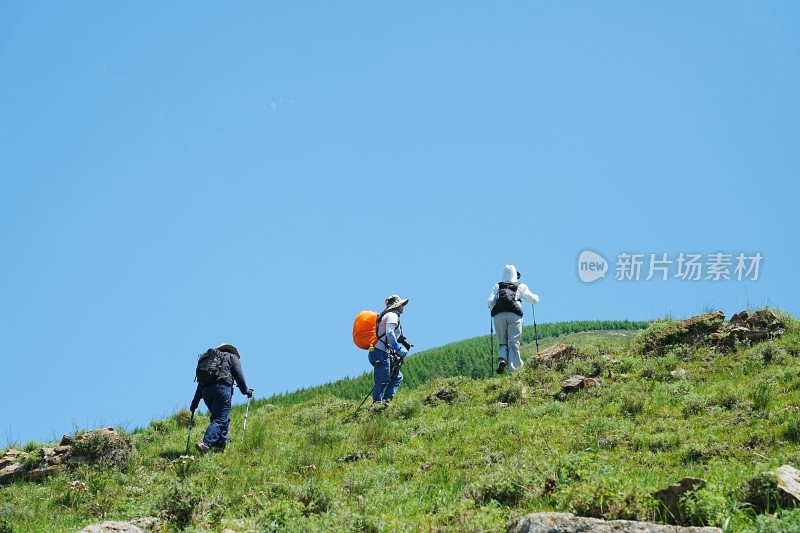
(229, 348)
(394, 301)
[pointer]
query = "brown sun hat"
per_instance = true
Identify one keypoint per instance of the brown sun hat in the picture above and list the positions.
(229, 348)
(394, 301)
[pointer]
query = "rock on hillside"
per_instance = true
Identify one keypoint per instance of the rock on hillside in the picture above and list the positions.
(103, 447)
(569, 523)
(139, 525)
(711, 329)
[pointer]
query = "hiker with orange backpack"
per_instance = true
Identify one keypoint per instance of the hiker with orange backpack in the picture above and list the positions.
(388, 353)
(505, 303)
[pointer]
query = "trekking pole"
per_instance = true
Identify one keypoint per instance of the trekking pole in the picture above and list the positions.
(189, 436)
(359, 405)
(247, 410)
(491, 340)
(535, 332)
(392, 368)
(365, 399)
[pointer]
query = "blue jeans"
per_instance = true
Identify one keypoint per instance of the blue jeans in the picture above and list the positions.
(217, 397)
(386, 381)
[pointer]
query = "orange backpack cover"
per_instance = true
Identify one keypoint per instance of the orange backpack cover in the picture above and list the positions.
(365, 334)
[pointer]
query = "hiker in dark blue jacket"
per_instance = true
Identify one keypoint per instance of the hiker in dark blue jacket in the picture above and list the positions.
(217, 396)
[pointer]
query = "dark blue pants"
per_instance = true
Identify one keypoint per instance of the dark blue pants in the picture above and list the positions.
(217, 397)
(386, 381)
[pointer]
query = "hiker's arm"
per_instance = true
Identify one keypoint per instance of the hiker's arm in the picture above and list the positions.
(196, 400)
(391, 339)
(528, 295)
(493, 297)
(238, 375)
(391, 336)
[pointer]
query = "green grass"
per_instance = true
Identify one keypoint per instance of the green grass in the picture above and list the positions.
(473, 357)
(504, 447)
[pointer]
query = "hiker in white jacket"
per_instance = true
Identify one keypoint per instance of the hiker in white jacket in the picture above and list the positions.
(505, 303)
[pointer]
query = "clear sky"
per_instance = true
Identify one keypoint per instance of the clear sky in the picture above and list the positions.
(175, 175)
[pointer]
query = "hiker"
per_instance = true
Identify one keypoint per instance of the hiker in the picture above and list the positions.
(390, 351)
(506, 306)
(215, 385)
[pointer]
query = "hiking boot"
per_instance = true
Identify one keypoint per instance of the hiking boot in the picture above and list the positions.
(379, 406)
(218, 449)
(202, 447)
(501, 366)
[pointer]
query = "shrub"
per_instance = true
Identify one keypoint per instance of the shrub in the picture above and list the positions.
(31, 446)
(657, 335)
(704, 507)
(791, 424)
(160, 426)
(98, 448)
(575, 467)
(627, 365)
(784, 522)
(680, 352)
(769, 352)
(406, 408)
(665, 335)
(184, 466)
(178, 505)
(653, 369)
(762, 493)
(632, 405)
(509, 392)
(694, 452)
(375, 433)
(325, 432)
(726, 397)
(693, 404)
(609, 500)
(592, 366)
(761, 395)
(182, 418)
(659, 442)
(33, 459)
(314, 497)
(280, 514)
(7, 510)
(74, 494)
(501, 487)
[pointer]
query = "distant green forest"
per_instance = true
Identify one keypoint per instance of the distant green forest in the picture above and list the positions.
(469, 358)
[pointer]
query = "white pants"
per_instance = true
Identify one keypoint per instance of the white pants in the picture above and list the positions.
(509, 330)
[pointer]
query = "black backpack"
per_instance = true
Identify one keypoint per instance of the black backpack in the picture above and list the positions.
(506, 299)
(209, 367)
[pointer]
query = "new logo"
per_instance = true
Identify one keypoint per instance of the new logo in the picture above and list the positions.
(591, 266)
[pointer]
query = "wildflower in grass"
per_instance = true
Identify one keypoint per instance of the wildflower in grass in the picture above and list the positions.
(76, 486)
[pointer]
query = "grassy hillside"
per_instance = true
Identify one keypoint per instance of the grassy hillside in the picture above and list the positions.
(502, 447)
(471, 358)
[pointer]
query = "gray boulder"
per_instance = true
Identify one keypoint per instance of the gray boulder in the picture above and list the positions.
(569, 523)
(112, 527)
(137, 525)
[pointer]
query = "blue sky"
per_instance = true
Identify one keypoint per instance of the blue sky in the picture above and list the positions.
(180, 175)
